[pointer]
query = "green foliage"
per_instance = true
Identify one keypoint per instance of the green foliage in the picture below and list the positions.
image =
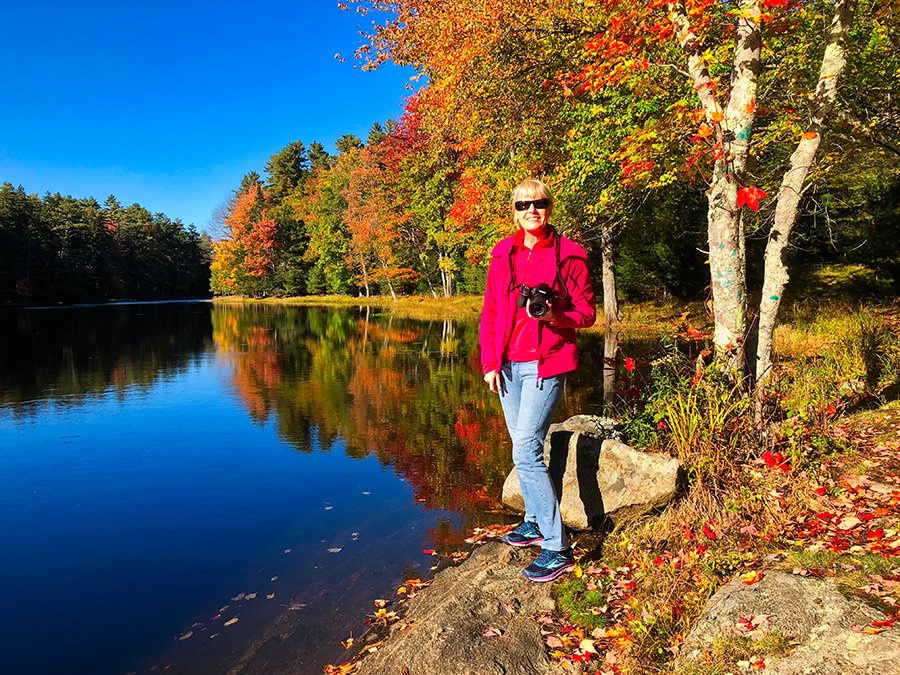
(57, 249)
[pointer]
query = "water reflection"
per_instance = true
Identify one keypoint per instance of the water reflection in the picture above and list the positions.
(67, 356)
(210, 440)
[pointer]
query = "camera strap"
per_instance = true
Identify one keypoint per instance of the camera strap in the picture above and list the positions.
(559, 277)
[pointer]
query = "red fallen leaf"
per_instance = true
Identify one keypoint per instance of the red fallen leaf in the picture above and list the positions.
(701, 549)
(881, 512)
(769, 458)
(709, 532)
(658, 560)
(582, 658)
(750, 578)
(428, 551)
(661, 425)
(885, 623)
(865, 515)
(749, 197)
(876, 534)
(821, 491)
(769, 4)
(688, 533)
(826, 517)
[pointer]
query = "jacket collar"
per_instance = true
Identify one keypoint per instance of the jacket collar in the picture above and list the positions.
(546, 238)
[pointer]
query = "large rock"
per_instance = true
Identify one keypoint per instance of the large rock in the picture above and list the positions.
(810, 613)
(447, 622)
(598, 477)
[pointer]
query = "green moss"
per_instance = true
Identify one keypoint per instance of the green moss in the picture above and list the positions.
(582, 604)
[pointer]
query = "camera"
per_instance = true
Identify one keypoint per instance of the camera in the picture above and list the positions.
(537, 298)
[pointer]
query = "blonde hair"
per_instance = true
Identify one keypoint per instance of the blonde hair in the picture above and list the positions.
(531, 188)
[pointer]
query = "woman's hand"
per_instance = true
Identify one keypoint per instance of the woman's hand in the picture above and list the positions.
(493, 380)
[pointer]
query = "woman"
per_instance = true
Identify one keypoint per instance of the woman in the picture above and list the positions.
(527, 347)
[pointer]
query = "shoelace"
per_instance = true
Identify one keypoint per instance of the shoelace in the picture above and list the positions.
(545, 558)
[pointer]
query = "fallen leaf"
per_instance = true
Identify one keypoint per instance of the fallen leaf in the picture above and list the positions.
(849, 523)
(492, 632)
(186, 635)
(749, 578)
(336, 549)
(231, 622)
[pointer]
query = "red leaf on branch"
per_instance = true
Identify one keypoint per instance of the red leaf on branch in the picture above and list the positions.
(749, 197)
(629, 364)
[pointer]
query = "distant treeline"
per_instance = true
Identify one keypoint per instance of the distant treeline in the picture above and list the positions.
(56, 249)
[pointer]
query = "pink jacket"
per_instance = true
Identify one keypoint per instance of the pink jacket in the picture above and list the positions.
(557, 352)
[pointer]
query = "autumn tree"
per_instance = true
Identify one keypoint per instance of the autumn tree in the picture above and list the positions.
(243, 262)
(372, 221)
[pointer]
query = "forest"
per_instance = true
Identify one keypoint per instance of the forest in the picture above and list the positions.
(663, 134)
(56, 249)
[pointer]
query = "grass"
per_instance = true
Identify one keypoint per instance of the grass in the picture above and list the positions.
(727, 652)
(861, 565)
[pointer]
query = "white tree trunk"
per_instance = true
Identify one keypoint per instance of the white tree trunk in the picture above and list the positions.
(608, 264)
(734, 128)
(775, 278)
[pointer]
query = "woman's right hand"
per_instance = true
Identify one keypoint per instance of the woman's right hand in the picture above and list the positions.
(493, 380)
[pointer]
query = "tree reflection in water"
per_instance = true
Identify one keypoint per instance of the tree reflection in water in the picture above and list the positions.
(68, 356)
(407, 391)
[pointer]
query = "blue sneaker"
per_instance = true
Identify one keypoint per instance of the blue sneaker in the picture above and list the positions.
(526, 534)
(549, 565)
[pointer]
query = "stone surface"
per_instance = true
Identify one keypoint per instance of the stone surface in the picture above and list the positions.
(447, 622)
(597, 476)
(811, 613)
(634, 482)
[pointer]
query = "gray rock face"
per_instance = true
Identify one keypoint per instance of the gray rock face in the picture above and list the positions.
(449, 619)
(811, 613)
(596, 476)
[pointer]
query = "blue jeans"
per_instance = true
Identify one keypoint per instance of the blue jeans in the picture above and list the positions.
(528, 405)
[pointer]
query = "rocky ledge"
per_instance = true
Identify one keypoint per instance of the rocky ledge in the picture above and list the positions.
(475, 619)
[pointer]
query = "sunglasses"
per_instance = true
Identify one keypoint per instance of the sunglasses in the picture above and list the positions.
(526, 203)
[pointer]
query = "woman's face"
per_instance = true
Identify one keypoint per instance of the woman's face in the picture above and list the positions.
(532, 219)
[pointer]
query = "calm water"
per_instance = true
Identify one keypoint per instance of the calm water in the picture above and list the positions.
(160, 460)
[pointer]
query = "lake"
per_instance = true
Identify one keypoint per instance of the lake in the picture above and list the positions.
(170, 467)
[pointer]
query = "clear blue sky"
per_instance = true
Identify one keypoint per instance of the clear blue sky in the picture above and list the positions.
(168, 103)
